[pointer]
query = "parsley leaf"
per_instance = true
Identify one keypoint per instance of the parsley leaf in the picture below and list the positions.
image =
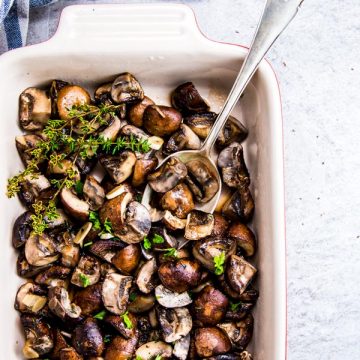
(171, 252)
(219, 261)
(100, 315)
(147, 243)
(85, 280)
(88, 244)
(132, 297)
(127, 321)
(235, 306)
(157, 239)
(158, 357)
(107, 226)
(94, 218)
(79, 186)
(138, 357)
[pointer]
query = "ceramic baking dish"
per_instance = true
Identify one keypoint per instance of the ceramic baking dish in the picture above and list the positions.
(162, 46)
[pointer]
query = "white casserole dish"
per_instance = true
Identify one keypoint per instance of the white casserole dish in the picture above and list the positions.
(162, 46)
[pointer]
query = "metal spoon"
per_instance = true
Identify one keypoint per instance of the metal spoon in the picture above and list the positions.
(275, 18)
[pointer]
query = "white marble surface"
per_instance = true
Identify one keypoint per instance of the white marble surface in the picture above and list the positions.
(318, 66)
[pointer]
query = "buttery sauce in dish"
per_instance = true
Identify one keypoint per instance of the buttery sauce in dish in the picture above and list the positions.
(105, 276)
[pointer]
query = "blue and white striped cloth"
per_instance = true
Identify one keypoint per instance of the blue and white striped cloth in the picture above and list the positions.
(14, 20)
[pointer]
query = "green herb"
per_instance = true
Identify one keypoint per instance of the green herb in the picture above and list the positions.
(219, 261)
(157, 239)
(88, 244)
(171, 252)
(158, 357)
(84, 280)
(100, 315)
(132, 297)
(79, 186)
(127, 320)
(138, 357)
(235, 306)
(94, 218)
(107, 339)
(147, 243)
(107, 226)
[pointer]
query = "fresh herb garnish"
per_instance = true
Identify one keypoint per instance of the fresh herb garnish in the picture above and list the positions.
(235, 306)
(107, 339)
(157, 239)
(107, 227)
(171, 252)
(138, 357)
(94, 218)
(84, 280)
(88, 244)
(79, 186)
(132, 297)
(127, 321)
(158, 357)
(147, 243)
(219, 261)
(100, 315)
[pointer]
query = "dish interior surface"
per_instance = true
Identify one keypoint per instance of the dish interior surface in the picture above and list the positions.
(160, 66)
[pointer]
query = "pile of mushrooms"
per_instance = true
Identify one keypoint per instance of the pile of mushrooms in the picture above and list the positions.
(133, 292)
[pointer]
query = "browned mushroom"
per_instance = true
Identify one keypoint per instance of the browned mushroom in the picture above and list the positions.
(106, 249)
(211, 341)
(184, 138)
(40, 250)
(70, 255)
(60, 305)
(171, 299)
(112, 130)
(136, 111)
(21, 229)
(69, 96)
(128, 330)
(182, 347)
(127, 259)
(178, 200)
(87, 272)
(161, 120)
(94, 193)
(210, 306)
(30, 298)
(172, 222)
(233, 130)
(69, 353)
(142, 169)
(121, 349)
(167, 176)
(180, 275)
(62, 168)
(32, 188)
(238, 311)
(77, 208)
(199, 225)
(240, 206)
(34, 109)
(89, 299)
(25, 270)
(102, 94)
(126, 89)
(142, 303)
(187, 99)
(201, 123)
(87, 338)
(145, 276)
(118, 190)
(56, 275)
(153, 349)
(24, 145)
(220, 226)
(244, 237)
(59, 344)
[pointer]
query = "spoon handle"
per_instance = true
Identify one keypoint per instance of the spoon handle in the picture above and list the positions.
(275, 18)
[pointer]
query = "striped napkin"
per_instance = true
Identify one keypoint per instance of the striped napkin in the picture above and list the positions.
(14, 19)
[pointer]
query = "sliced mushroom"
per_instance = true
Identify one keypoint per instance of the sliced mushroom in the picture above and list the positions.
(34, 109)
(241, 311)
(178, 200)
(201, 123)
(69, 96)
(239, 273)
(233, 130)
(59, 344)
(182, 347)
(153, 349)
(115, 292)
(145, 276)
(70, 255)
(136, 111)
(249, 295)
(240, 206)
(187, 99)
(244, 237)
(40, 250)
(142, 169)
(60, 305)
(121, 349)
(112, 130)
(182, 139)
(55, 87)
(38, 336)
(206, 250)
(127, 259)
(25, 270)
(62, 168)
(172, 222)
(210, 306)
(126, 89)
(120, 189)
(94, 193)
(119, 167)
(82, 233)
(54, 276)
(170, 299)
(199, 224)
(166, 240)
(87, 272)
(211, 341)
(221, 226)
(77, 208)
(24, 145)
(239, 333)
(32, 187)
(233, 168)
(245, 355)
(168, 175)
(106, 249)
(30, 298)
(180, 275)
(87, 338)
(69, 353)
(61, 222)
(89, 299)
(117, 322)
(134, 132)
(161, 120)
(21, 229)
(201, 181)
(142, 303)
(84, 165)
(102, 93)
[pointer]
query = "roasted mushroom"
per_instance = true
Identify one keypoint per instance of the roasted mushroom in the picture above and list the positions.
(115, 292)
(186, 98)
(167, 176)
(142, 303)
(62, 168)
(136, 111)
(161, 120)
(87, 272)
(40, 250)
(240, 206)
(38, 336)
(178, 200)
(128, 330)
(94, 193)
(182, 139)
(56, 275)
(69, 353)
(25, 270)
(127, 259)
(112, 130)
(119, 167)
(89, 299)
(180, 275)
(102, 94)
(32, 187)
(34, 109)
(153, 349)
(106, 249)
(55, 87)
(70, 255)
(221, 226)
(60, 305)
(244, 237)
(170, 299)
(126, 89)
(79, 209)
(172, 222)
(87, 338)
(182, 347)
(142, 169)
(121, 349)
(30, 298)
(21, 229)
(24, 145)
(199, 225)
(145, 276)
(210, 306)
(69, 96)
(210, 341)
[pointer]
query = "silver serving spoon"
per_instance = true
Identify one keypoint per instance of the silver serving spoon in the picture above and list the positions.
(275, 18)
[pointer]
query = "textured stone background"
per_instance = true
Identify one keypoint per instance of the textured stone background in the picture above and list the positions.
(318, 66)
